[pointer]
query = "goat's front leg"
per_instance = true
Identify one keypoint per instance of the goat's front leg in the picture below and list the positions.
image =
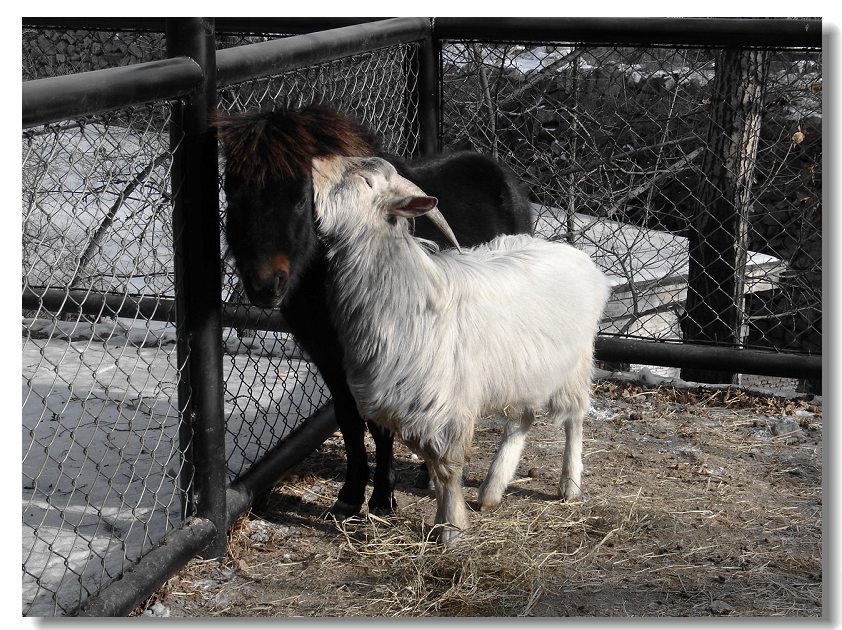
(451, 511)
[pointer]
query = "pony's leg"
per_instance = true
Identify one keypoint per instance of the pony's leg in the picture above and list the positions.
(570, 484)
(352, 494)
(308, 316)
(423, 479)
(382, 499)
(451, 512)
(505, 462)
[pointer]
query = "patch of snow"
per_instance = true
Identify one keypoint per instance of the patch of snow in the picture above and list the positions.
(646, 377)
(100, 439)
(157, 610)
(627, 254)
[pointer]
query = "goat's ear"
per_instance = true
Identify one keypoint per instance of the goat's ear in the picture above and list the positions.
(412, 206)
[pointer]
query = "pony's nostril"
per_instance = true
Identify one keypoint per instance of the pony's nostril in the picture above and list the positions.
(280, 284)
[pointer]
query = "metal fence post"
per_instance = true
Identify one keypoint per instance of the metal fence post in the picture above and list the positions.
(428, 95)
(199, 280)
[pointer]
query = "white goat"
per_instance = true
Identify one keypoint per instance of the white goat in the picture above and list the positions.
(434, 340)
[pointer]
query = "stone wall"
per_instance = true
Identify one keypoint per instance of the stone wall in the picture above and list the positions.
(48, 52)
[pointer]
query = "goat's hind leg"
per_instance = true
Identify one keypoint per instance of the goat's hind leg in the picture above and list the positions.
(570, 484)
(505, 462)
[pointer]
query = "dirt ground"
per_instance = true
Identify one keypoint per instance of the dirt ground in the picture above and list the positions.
(697, 502)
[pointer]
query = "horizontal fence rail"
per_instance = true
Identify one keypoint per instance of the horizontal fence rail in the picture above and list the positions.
(613, 349)
(139, 581)
(603, 118)
(249, 62)
(637, 31)
(288, 25)
(63, 302)
(89, 93)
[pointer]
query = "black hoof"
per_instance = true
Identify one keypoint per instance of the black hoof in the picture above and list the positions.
(422, 478)
(383, 508)
(382, 511)
(342, 510)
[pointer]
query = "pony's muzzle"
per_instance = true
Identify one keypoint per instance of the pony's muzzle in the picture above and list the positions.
(268, 290)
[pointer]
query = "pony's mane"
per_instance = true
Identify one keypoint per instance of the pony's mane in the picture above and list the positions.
(282, 143)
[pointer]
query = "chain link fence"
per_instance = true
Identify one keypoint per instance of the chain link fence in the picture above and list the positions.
(270, 386)
(613, 143)
(102, 456)
(104, 438)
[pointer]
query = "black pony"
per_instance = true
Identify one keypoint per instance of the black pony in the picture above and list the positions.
(270, 232)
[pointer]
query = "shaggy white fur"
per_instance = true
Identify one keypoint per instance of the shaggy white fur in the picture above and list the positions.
(434, 340)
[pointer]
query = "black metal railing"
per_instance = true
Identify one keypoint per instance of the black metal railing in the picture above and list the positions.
(121, 244)
(618, 128)
(152, 420)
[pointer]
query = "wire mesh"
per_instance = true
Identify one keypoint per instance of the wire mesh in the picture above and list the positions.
(104, 477)
(102, 458)
(615, 142)
(611, 140)
(270, 386)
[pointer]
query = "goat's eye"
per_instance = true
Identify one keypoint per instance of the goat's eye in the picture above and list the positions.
(366, 179)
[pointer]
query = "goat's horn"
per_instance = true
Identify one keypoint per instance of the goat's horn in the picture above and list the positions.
(439, 221)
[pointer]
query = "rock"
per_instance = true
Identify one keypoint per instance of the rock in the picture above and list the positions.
(785, 426)
(719, 607)
(312, 494)
(46, 46)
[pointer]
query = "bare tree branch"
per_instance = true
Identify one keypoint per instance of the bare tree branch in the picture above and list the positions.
(96, 240)
(676, 166)
(482, 77)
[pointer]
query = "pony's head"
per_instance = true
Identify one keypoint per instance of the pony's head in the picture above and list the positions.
(269, 190)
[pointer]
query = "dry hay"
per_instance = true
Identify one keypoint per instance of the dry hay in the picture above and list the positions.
(694, 506)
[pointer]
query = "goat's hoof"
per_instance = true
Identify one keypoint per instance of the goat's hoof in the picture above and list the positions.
(569, 491)
(488, 504)
(341, 510)
(487, 501)
(448, 535)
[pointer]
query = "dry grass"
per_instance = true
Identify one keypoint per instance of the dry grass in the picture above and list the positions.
(693, 507)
